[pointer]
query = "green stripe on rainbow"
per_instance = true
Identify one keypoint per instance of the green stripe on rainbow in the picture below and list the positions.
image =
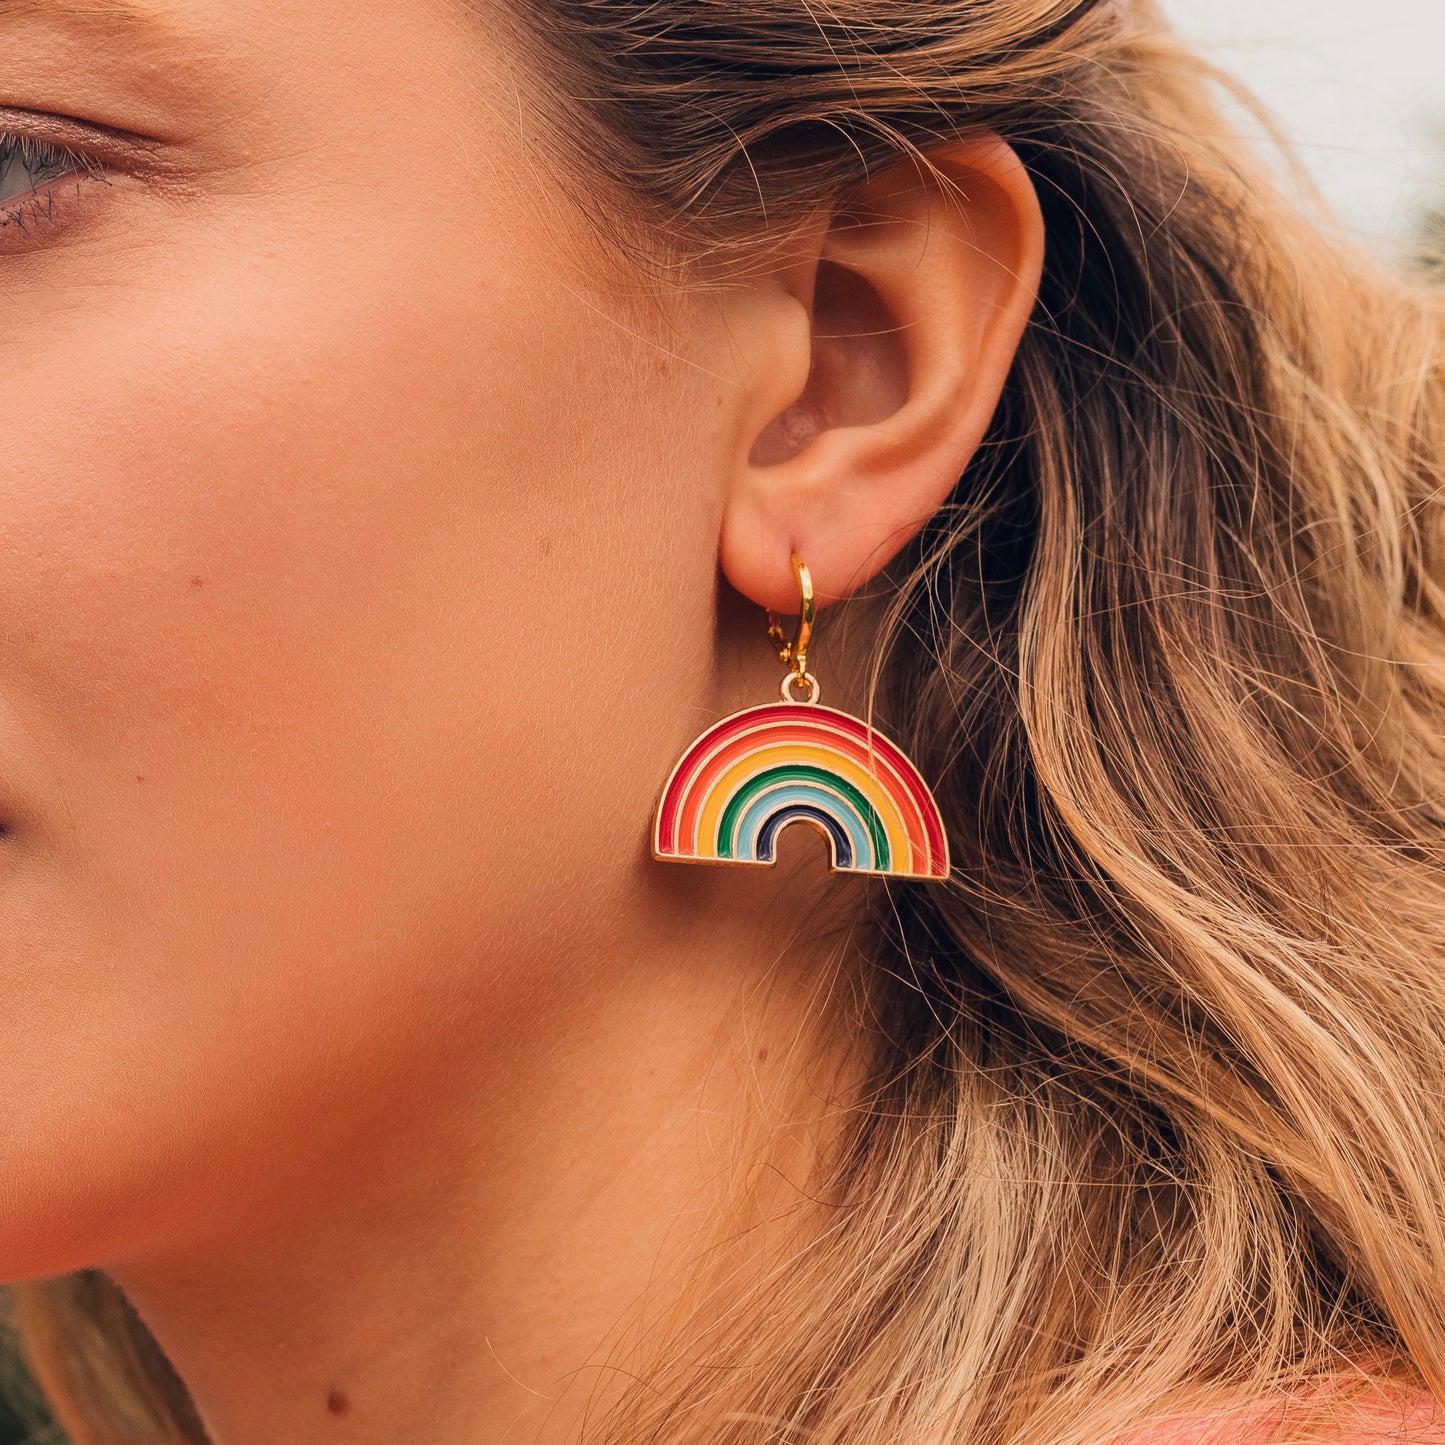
(755, 773)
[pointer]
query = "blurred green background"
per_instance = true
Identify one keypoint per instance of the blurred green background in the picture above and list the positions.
(10, 1429)
(18, 1426)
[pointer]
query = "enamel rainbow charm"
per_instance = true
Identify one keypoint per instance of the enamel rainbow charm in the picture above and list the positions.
(752, 775)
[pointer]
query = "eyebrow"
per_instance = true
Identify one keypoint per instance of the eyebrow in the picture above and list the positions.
(106, 9)
(138, 22)
(151, 43)
(111, 14)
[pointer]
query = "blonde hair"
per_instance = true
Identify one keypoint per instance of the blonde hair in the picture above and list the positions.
(1156, 1120)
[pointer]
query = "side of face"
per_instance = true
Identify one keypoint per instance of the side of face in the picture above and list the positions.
(361, 522)
(331, 498)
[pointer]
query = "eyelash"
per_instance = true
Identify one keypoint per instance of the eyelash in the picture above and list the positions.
(46, 164)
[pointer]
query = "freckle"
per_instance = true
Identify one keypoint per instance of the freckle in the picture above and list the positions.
(762, 1056)
(140, 777)
(337, 1403)
(198, 581)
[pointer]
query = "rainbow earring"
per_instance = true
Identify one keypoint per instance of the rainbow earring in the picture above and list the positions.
(752, 774)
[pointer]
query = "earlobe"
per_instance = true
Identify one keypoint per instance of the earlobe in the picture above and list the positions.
(918, 292)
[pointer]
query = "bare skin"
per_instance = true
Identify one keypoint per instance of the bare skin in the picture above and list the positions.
(368, 556)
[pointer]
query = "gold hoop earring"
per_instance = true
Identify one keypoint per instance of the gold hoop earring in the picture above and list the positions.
(750, 776)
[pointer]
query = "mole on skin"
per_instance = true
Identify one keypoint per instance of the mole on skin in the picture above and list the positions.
(337, 1403)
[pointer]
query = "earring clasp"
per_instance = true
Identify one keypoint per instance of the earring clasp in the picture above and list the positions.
(795, 652)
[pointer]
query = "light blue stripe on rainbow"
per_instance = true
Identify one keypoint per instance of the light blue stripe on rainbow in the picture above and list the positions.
(855, 834)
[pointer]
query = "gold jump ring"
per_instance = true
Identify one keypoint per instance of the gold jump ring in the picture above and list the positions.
(796, 651)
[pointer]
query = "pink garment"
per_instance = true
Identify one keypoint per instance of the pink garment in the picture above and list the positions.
(1383, 1415)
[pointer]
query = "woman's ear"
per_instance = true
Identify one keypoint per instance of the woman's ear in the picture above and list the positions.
(916, 293)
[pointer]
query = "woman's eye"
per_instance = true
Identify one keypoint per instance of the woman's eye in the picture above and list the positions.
(36, 181)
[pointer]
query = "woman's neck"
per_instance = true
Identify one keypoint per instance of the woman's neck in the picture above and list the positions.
(479, 1254)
